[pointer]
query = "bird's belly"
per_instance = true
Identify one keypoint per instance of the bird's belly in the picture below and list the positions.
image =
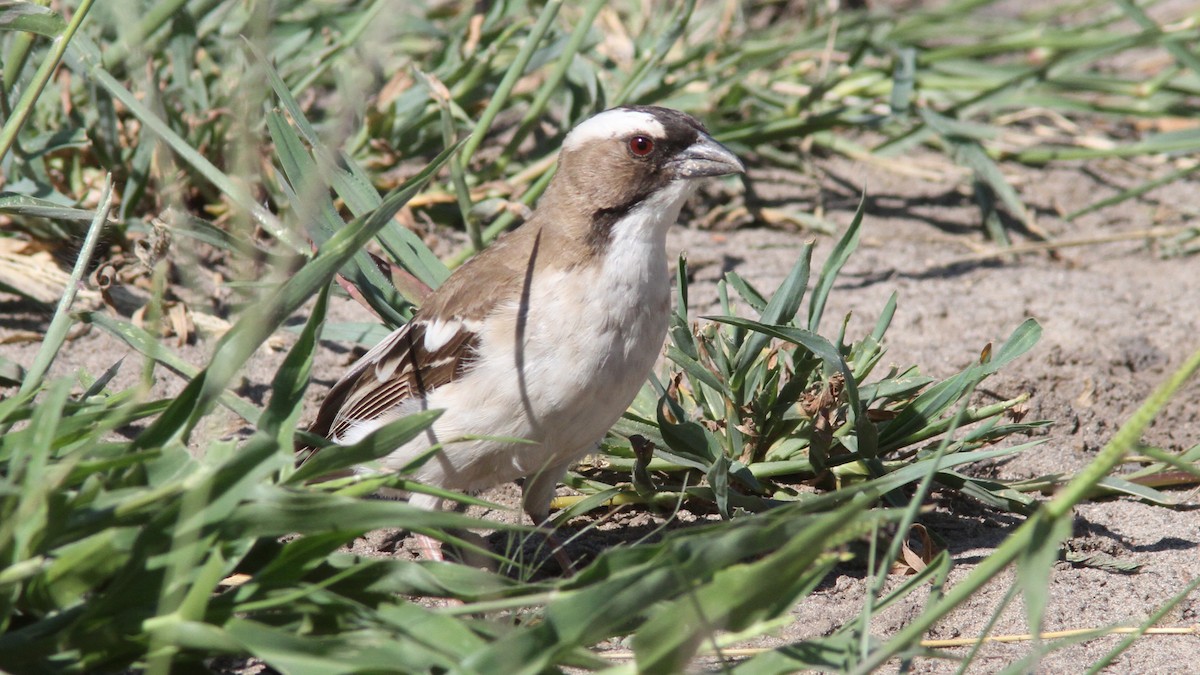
(583, 375)
(554, 394)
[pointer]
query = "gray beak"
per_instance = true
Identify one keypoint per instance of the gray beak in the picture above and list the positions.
(706, 157)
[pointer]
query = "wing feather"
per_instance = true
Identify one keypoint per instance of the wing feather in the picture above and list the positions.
(398, 369)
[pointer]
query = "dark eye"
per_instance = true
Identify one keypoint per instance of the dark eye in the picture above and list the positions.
(641, 146)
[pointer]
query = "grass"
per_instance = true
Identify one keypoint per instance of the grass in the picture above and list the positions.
(248, 130)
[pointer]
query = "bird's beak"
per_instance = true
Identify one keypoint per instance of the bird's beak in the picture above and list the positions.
(706, 157)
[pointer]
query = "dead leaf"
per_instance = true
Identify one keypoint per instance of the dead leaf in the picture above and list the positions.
(32, 272)
(1085, 399)
(1018, 411)
(914, 560)
(22, 336)
(1166, 124)
(180, 322)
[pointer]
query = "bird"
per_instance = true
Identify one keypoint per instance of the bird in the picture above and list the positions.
(537, 345)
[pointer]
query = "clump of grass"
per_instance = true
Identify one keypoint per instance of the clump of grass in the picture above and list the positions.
(758, 408)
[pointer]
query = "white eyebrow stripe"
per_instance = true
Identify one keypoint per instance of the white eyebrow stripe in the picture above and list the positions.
(613, 123)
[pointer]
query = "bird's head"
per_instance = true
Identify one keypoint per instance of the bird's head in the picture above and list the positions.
(636, 164)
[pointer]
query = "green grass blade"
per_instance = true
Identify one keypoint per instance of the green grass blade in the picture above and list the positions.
(378, 444)
(1133, 193)
(275, 512)
(31, 18)
(1036, 562)
(287, 387)
(25, 205)
(833, 266)
(353, 185)
(30, 92)
(933, 403)
(623, 584)
(311, 196)
(499, 98)
(56, 333)
(1180, 52)
(780, 310)
(257, 324)
(1057, 509)
(151, 347)
(333, 654)
(552, 85)
(1128, 640)
(87, 57)
(968, 152)
(675, 24)
(736, 597)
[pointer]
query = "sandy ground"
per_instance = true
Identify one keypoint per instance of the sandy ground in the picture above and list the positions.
(1117, 318)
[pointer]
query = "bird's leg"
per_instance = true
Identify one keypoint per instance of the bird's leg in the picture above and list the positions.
(557, 548)
(560, 553)
(431, 549)
(427, 547)
(536, 494)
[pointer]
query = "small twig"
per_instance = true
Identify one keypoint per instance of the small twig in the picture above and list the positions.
(1150, 233)
(619, 499)
(747, 652)
(1058, 634)
(61, 322)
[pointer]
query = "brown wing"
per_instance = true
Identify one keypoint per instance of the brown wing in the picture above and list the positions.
(399, 368)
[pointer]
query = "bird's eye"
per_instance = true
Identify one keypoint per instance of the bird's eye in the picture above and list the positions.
(641, 146)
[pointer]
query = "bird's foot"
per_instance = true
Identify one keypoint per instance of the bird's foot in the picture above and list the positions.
(429, 548)
(560, 556)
